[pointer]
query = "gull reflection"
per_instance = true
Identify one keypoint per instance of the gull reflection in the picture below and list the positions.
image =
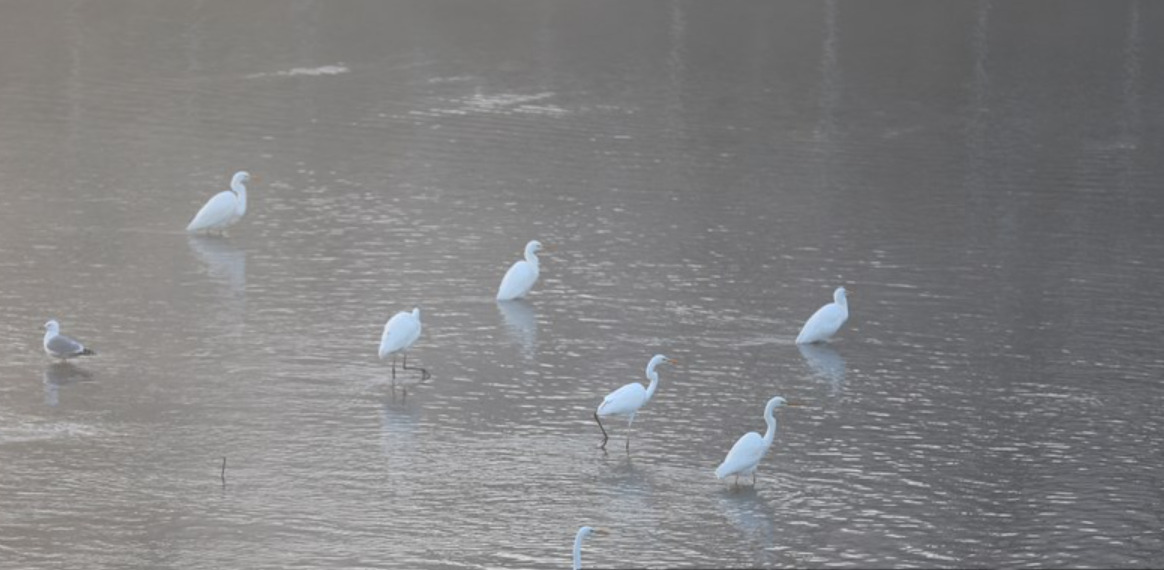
(754, 518)
(61, 374)
(825, 363)
(224, 262)
(521, 321)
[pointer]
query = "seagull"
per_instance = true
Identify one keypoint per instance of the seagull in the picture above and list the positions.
(224, 209)
(60, 346)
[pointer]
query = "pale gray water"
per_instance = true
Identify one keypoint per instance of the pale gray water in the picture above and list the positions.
(984, 177)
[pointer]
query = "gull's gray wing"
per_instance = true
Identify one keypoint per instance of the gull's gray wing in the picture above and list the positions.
(64, 345)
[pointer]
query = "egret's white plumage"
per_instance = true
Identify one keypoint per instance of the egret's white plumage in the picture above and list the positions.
(400, 333)
(627, 400)
(826, 321)
(746, 454)
(223, 209)
(583, 534)
(521, 275)
(60, 346)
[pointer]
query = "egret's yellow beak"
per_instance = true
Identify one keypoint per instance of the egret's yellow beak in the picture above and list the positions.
(601, 532)
(672, 361)
(794, 404)
(550, 247)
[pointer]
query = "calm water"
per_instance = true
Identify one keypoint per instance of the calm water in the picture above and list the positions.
(984, 177)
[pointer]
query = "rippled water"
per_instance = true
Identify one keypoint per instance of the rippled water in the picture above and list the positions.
(982, 176)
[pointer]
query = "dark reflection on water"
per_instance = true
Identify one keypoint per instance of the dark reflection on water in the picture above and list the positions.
(985, 174)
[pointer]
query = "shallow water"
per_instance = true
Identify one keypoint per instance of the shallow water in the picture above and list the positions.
(982, 176)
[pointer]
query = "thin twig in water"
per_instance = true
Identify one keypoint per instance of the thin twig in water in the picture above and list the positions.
(224, 471)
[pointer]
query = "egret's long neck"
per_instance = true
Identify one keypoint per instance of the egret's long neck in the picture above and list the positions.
(770, 417)
(241, 190)
(578, 551)
(842, 300)
(653, 376)
(531, 258)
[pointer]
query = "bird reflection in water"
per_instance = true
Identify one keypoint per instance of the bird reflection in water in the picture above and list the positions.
(826, 364)
(521, 322)
(754, 517)
(224, 262)
(62, 374)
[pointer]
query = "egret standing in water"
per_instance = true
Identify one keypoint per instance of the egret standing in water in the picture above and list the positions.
(746, 454)
(400, 333)
(60, 346)
(583, 534)
(826, 321)
(224, 209)
(627, 400)
(521, 275)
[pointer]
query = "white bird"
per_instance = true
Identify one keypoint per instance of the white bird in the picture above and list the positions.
(400, 333)
(60, 346)
(583, 534)
(224, 209)
(521, 275)
(826, 321)
(627, 400)
(746, 454)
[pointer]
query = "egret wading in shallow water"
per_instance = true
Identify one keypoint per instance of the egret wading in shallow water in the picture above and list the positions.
(746, 454)
(60, 346)
(627, 400)
(521, 275)
(826, 321)
(223, 209)
(583, 534)
(400, 333)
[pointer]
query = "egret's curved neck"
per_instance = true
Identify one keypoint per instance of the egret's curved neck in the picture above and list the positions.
(770, 417)
(841, 300)
(653, 376)
(578, 551)
(239, 188)
(531, 257)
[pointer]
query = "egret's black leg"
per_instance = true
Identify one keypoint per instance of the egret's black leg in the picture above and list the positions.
(393, 367)
(424, 375)
(753, 478)
(604, 436)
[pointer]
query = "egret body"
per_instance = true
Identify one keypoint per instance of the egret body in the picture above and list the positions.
(521, 275)
(223, 209)
(627, 400)
(746, 454)
(826, 321)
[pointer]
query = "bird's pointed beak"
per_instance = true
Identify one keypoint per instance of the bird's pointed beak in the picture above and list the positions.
(794, 404)
(601, 532)
(550, 247)
(673, 361)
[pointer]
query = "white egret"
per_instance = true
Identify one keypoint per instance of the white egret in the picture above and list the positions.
(400, 333)
(627, 400)
(521, 275)
(60, 346)
(224, 209)
(746, 454)
(583, 534)
(826, 321)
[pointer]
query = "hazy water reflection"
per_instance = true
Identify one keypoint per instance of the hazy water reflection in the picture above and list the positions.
(984, 173)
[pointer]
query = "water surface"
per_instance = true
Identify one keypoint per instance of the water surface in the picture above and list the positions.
(982, 176)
